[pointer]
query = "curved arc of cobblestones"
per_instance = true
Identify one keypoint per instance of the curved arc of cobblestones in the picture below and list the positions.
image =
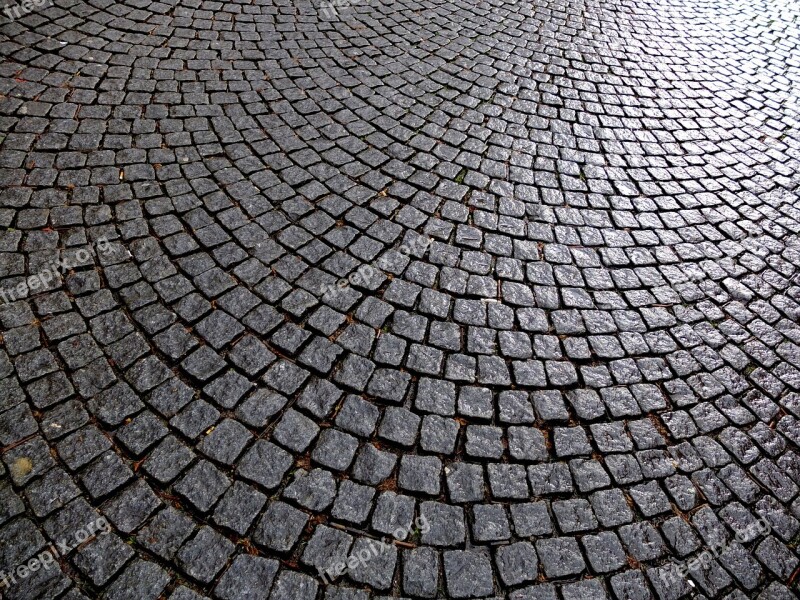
(120, 302)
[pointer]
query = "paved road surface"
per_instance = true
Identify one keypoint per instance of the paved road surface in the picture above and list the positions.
(515, 282)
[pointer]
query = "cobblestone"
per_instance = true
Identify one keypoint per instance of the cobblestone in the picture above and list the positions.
(511, 289)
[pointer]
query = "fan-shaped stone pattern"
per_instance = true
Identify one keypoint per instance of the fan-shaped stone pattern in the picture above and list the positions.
(564, 354)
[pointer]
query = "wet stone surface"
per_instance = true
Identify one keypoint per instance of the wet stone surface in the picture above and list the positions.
(364, 300)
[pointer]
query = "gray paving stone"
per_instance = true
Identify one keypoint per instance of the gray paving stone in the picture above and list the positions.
(280, 526)
(468, 573)
(247, 577)
(205, 555)
(282, 271)
(517, 563)
(141, 579)
(560, 556)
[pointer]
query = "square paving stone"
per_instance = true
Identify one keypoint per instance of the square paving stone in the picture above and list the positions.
(105, 475)
(468, 573)
(202, 485)
(526, 443)
(335, 449)
(508, 481)
(604, 551)
(225, 442)
(631, 584)
(314, 490)
(357, 416)
(11, 504)
(319, 397)
(43, 583)
(442, 525)
(102, 558)
(393, 514)
(611, 507)
(590, 589)
(141, 433)
(205, 555)
(421, 572)
(553, 478)
(141, 579)
(420, 474)
(130, 508)
(531, 519)
(250, 355)
(490, 523)
(27, 542)
(465, 482)
(373, 466)
(239, 507)
(291, 584)
(668, 582)
(16, 424)
(680, 536)
(642, 541)
(484, 441)
(389, 385)
(295, 431)
(256, 410)
(589, 475)
(777, 557)
(168, 460)
(438, 434)
(374, 563)
(574, 516)
(560, 557)
(226, 390)
(195, 418)
(399, 425)
(82, 446)
(28, 460)
(147, 374)
(170, 397)
(203, 363)
(165, 533)
(280, 526)
(571, 441)
(265, 464)
(52, 491)
(327, 549)
(436, 396)
(650, 499)
(353, 502)
(248, 578)
(550, 406)
(475, 402)
(517, 563)
(515, 408)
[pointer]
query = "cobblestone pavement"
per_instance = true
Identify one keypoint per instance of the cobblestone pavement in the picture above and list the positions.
(568, 358)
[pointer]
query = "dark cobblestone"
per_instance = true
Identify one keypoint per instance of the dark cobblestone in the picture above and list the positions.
(514, 287)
